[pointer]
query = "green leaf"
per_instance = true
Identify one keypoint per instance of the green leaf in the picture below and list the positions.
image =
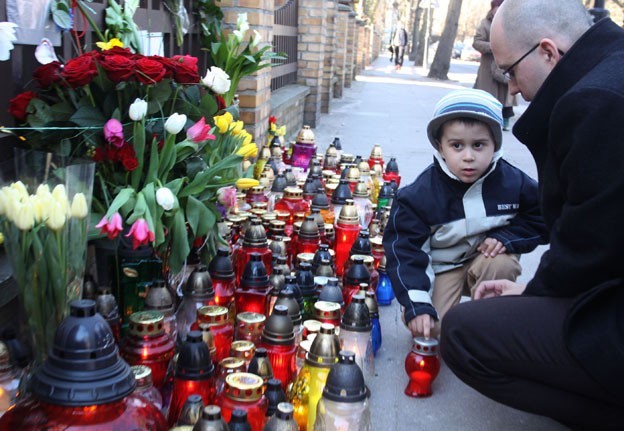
(61, 14)
(139, 209)
(88, 116)
(122, 197)
(152, 169)
(209, 105)
(179, 243)
(199, 217)
(184, 149)
(139, 150)
(175, 185)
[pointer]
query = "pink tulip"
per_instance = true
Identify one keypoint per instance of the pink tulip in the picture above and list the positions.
(140, 233)
(199, 132)
(113, 132)
(110, 227)
(226, 196)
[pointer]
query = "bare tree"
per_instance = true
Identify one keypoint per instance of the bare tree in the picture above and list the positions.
(442, 59)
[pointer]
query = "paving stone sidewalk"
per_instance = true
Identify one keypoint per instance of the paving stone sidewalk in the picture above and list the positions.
(392, 108)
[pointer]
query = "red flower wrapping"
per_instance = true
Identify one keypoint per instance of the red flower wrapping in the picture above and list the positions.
(166, 64)
(19, 104)
(118, 68)
(149, 71)
(117, 50)
(48, 74)
(80, 71)
(185, 69)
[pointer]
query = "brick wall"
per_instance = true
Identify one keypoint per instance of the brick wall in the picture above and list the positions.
(350, 54)
(328, 62)
(340, 50)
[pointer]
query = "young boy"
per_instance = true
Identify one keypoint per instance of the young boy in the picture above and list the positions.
(465, 219)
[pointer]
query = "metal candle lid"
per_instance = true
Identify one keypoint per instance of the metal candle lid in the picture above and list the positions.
(376, 152)
(255, 273)
(286, 297)
(331, 292)
(356, 317)
(232, 363)
(242, 349)
(358, 271)
(361, 190)
(363, 167)
(250, 318)
(146, 324)
(212, 315)
(221, 265)
(324, 310)
(392, 166)
(159, 298)
(345, 381)
(142, 375)
(325, 347)
(199, 283)
(309, 229)
(320, 200)
(349, 213)
(362, 244)
(341, 193)
(260, 365)
(425, 346)
(278, 329)
(292, 193)
(306, 136)
(243, 387)
(255, 235)
(194, 362)
(371, 303)
(191, 410)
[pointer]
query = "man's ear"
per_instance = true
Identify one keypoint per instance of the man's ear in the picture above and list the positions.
(549, 48)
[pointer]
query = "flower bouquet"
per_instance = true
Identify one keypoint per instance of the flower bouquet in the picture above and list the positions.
(147, 123)
(43, 218)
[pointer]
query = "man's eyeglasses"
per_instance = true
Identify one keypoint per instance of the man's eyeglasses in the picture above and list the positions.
(509, 73)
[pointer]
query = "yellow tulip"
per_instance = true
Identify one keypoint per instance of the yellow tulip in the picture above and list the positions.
(1, 238)
(104, 46)
(249, 150)
(41, 204)
(246, 137)
(79, 207)
(43, 189)
(237, 127)
(60, 195)
(281, 131)
(273, 127)
(57, 215)
(246, 183)
(223, 122)
(11, 198)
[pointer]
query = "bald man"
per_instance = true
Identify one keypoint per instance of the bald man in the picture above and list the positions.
(555, 347)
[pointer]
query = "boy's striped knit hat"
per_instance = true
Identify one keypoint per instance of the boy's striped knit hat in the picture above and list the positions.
(471, 103)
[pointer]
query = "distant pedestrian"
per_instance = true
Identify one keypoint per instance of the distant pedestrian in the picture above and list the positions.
(489, 77)
(465, 219)
(555, 347)
(399, 42)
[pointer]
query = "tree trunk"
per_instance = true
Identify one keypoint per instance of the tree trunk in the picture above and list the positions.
(442, 59)
(422, 32)
(416, 34)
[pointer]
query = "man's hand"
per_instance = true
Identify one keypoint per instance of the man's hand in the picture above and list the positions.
(491, 247)
(492, 288)
(421, 325)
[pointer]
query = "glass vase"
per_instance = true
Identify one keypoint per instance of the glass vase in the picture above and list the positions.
(44, 219)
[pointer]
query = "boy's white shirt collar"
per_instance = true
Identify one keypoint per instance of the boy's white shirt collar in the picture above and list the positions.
(497, 156)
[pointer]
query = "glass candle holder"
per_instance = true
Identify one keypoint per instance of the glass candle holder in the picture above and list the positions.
(221, 270)
(422, 367)
(327, 312)
(249, 326)
(243, 391)
(226, 367)
(347, 230)
(278, 339)
(148, 344)
(216, 318)
(252, 294)
(145, 385)
(384, 292)
(243, 349)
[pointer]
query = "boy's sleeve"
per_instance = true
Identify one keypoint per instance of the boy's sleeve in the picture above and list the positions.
(527, 229)
(406, 243)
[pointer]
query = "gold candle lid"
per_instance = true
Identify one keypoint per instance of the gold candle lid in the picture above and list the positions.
(347, 158)
(146, 323)
(232, 363)
(292, 193)
(250, 318)
(243, 387)
(361, 190)
(212, 315)
(353, 174)
(256, 190)
(242, 349)
(326, 310)
(258, 212)
(376, 152)
(306, 136)
(142, 375)
(364, 168)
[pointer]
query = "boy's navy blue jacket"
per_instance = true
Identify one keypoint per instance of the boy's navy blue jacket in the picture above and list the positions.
(437, 223)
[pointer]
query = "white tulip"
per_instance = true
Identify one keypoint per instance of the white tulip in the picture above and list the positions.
(165, 198)
(138, 109)
(175, 123)
(217, 80)
(20, 188)
(79, 208)
(57, 214)
(256, 39)
(24, 215)
(242, 23)
(7, 37)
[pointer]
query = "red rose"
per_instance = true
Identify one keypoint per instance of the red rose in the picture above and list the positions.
(149, 71)
(118, 68)
(48, 74)
(116, 50)
(111, 154)
(80, 71)
(185, 69)
(99, 155)
(272, 119)
(220, 102)
(127, 151)
(130, 163)
(166, 64)
(19, 104)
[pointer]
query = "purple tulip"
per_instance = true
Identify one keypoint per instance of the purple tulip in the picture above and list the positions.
(113, 132)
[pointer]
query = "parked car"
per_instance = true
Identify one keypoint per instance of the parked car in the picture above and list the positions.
(457, 50)
(470, 54)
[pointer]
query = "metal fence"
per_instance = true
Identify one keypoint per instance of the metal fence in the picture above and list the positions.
(284, 72)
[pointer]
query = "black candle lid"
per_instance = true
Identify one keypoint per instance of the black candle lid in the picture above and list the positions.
(194, 362)
(356, 316)
(199, 283)
(345, 381)
(221, 265)
(238, 421)
(274, 394)
(83, 367)
(255, 273)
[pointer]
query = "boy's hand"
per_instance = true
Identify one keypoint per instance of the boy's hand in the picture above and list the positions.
(421, 325)
(491, 247)
(492, 288)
